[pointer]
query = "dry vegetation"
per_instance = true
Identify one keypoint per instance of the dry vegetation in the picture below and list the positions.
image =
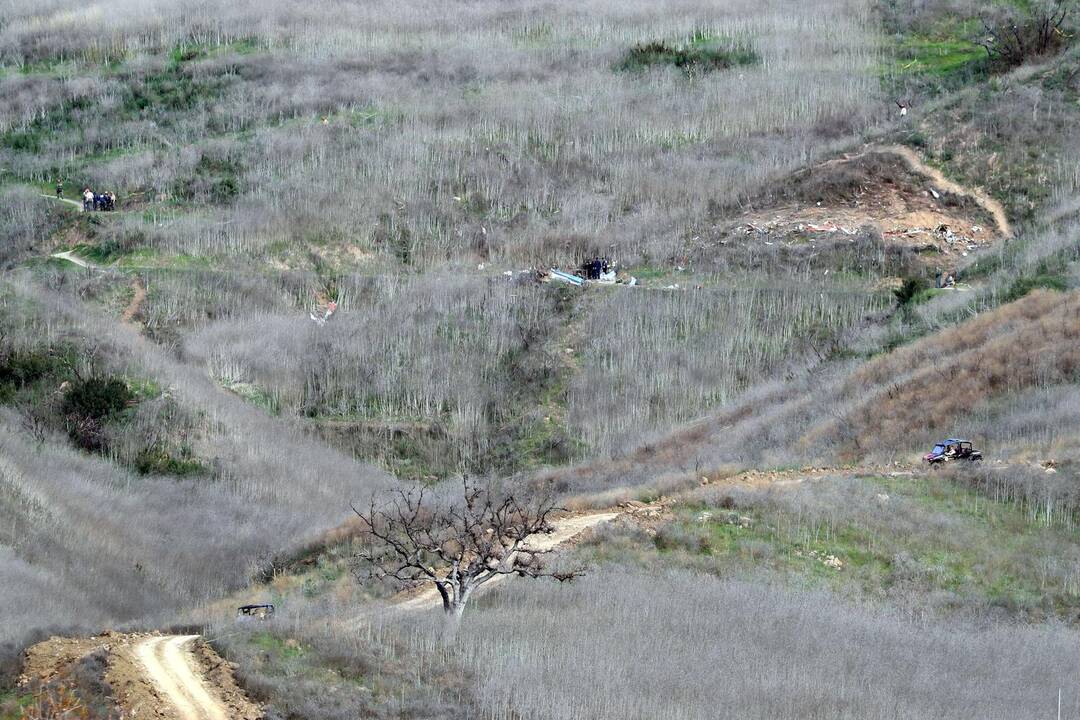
(1032, 343)
(437, 143)
(461, 133)
(637, 643)
(398, 159)
(89, 541)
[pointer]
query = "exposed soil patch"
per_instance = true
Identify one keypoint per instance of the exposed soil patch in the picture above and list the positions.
(886, 192)
(164, 676)
(137, 300)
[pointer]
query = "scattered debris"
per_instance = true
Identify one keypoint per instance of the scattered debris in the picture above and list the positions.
(325, 308)
(825, 559)
(598, 270)
(638, 509)
(331, 308)
(566, 277)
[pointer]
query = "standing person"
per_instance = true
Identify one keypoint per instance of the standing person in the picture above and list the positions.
(59, 188)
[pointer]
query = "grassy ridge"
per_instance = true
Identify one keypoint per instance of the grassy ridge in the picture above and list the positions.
(912, 541)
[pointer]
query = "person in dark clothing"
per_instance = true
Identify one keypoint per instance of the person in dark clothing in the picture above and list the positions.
(59, 188)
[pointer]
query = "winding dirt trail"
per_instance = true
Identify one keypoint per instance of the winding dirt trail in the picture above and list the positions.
(171, 668)
(917, 165)
(987, 203)
(136, 303)
(78, 205)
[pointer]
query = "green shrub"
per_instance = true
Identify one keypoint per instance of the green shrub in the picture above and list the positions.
(96, 398)
(21, 369)
(909, 290)
(702, 54)
(1027, 32)
(158, 461)
(1023, 285)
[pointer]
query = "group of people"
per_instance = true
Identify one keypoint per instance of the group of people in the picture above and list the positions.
(93, 201)
(90, 199)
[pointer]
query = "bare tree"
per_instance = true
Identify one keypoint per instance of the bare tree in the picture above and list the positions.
(1012, 40)
(457, 544)
(35, 419)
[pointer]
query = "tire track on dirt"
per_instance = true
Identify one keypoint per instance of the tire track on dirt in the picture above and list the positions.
(77, 205)
(71, 257)
(171, 669)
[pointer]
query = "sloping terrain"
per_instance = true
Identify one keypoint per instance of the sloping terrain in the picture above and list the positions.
(889, 190)
(175, 677)
(963, 379)
(321, 285)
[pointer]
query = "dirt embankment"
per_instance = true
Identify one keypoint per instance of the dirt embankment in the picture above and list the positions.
(887, 189)
(174, 677)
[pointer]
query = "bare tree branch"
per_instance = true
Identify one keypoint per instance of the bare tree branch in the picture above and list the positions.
(457, 545)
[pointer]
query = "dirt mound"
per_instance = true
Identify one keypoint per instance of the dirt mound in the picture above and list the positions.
(881, 189)
(150, 675)
(888, 192)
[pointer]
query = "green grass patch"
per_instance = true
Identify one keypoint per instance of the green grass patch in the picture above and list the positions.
(926, 295)
(940, 57)
(886, 538)
(159, 461)
(702, 53)
(1049, 280)
(13, 703)
(256, 395)
(281, 648)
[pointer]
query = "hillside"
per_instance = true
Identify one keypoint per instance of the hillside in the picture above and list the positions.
(839, 232)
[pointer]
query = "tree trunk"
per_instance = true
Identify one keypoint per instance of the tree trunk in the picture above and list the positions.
(455, 608)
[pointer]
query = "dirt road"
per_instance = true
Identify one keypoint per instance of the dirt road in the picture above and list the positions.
(168, 677)
(171, 668)
(64, 200)
(71, 257)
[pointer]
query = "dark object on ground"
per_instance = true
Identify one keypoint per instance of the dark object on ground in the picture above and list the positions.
(952, 449)
(261, 612)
